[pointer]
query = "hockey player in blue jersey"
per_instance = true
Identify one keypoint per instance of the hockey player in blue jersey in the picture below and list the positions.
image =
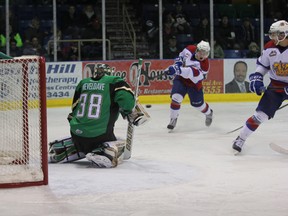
(190, 70)
(274, 62)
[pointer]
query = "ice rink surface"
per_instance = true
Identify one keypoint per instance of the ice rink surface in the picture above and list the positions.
(189, 172)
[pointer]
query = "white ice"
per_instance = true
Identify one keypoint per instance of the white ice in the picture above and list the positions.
(189, 172)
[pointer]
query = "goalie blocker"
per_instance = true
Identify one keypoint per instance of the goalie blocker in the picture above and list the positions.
(108, 155)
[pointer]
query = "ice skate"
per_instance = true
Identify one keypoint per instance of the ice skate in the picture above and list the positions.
(208, 120)
(237, 145)
(172, 123)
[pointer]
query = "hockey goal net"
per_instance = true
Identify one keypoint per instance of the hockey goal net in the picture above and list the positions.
(23, 129)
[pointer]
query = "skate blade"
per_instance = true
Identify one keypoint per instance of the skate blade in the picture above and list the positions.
(235, 152)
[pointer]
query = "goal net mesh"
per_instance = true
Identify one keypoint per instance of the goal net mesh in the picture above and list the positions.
(21, 126)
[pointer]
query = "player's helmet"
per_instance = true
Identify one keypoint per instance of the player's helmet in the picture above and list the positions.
(203, 50)
(278, 31)
(100, 70)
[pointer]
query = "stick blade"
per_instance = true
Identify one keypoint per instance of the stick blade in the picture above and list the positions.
(278, 148)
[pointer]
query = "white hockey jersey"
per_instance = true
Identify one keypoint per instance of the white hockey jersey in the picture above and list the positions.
(274, 61)
(193, 71)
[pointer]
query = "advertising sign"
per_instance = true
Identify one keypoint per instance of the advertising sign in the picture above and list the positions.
(62, 79)
(152, 80)
(244, 69)
(214, 82)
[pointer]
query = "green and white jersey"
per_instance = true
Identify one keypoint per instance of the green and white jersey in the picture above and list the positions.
(97, 103)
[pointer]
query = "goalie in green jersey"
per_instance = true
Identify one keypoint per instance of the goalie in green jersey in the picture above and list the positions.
(97, 103)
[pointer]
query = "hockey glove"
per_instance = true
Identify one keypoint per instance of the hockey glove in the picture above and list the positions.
(256, 83)
(173, 70)
(136, 118)
(178, 61)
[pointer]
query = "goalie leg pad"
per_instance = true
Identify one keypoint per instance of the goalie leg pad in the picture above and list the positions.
(109, 155)
(115, 149)
(62, 151)
(120, 144)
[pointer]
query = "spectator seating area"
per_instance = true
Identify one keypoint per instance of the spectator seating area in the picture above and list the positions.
(196, 11)
(235, 12)
(235, 53)
(25, 13)
(183, 40)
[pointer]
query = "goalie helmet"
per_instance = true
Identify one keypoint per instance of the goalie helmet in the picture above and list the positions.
(203, 50)
(100, 70)
(278, 31)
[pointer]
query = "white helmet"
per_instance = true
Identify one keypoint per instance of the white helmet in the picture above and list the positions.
(278, 31)
(203, 49)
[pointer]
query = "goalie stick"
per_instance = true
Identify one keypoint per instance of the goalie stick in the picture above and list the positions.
(278, 148)
(130, 129)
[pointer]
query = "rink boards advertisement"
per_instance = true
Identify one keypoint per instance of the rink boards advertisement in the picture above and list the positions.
(63, 77)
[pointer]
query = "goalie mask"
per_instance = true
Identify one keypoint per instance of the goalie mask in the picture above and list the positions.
(278, 31)
(100, 70)
(203, 50)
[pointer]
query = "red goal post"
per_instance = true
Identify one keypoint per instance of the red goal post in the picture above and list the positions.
(23, 125)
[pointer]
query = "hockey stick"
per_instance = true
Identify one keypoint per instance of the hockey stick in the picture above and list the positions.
(278, 148)
(242, 125)
(282, 106)
(130, 129)
(235, 130)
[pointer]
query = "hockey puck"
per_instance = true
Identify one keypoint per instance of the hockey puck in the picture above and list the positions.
(148, 106)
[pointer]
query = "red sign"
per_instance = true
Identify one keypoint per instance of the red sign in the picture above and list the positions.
(214, 82)
(153, 81)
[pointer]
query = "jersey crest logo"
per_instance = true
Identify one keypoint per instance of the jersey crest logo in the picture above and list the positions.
(272, 53)
(78, 131)
(280, 68)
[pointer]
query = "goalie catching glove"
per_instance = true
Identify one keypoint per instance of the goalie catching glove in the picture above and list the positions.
(136, 118)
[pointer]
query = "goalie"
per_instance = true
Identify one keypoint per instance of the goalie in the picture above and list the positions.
(97, 103)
